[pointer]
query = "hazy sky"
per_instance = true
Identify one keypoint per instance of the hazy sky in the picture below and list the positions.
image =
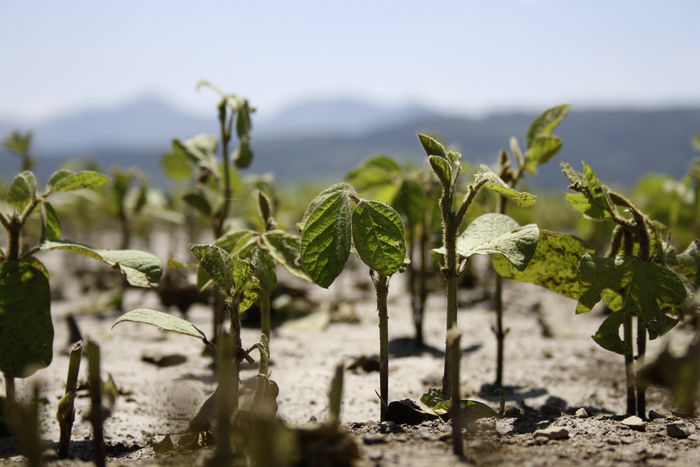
(464, 56)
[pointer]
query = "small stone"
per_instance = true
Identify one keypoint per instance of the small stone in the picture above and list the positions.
(634, 423)
(581, 413)
(513, 412)
(552, 432)
(551, 410)
(655, 415)
(677, 430)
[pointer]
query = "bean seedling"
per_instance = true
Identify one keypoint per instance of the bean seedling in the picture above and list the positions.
(336, 220)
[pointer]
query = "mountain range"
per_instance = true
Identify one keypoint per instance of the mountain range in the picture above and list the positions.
(323, 139)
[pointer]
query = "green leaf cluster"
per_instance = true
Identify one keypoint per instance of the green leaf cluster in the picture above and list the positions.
(336, 219)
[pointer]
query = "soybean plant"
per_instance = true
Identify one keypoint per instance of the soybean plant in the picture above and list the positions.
(213, 192)
(541, 147)
(641, 278)
(26, 330)
(338, 219)
(409, 191)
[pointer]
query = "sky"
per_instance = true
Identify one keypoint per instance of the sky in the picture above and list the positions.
(469, 57)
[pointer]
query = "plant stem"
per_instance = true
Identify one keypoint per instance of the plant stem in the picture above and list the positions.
(235, 330)
(381, 286)
(265, 319)
(66, 408)
(225, 138)
(96, 410)
(498, 305)
(227, 398)
(641, 351)
(413, 289)
(423, 273)
(454, 351)
(335, 396)
(451, 274)
(629, 365)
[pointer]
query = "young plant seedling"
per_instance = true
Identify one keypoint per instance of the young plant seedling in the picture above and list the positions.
(408, 190)
(541, 147)
(336, 220)
(488, 234)
(97, 413)
(212, 195)
(641, 277)
(264, 250)
(26, 330)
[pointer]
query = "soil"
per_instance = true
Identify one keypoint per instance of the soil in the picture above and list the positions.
(553, 369)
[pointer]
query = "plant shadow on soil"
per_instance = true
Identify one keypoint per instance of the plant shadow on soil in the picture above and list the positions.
(406, 347)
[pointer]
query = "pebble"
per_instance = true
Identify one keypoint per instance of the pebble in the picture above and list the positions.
(581, 413)
(677, 430)
(552, 432)
(634, 423)
(654, 415)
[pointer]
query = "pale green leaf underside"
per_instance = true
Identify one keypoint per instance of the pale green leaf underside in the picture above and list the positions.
(495, 183)
(379, 236)
(161, 320)
(284, 247)
(140, 269)
(498, 233)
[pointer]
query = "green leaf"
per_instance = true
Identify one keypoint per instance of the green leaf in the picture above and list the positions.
(498, 233)
(688, 262)
(217, 263)
(199, 202)
(263, 266)
(58, 175)
(648, 290)
(22, 188)
(140, 269)
(376, 178)
(542, 150)
(163, 321)
(243, 124)
(553, 266)
(51, 226)
(200, 150)
(18, 143)
(245, 285)
(243, 155)
(234, 239)
(608, 334)
(596, 274)
(581, 203)
(326, 238)
(546, 123)
(284, 248)
(87, 179)
(322, 197)
(441, 168)
(176, 166)
(26, 331)
(495, 183)
(379, 236)
(410, 202)
(431, 146)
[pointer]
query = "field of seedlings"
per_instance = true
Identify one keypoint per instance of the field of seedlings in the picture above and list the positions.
(404, 315)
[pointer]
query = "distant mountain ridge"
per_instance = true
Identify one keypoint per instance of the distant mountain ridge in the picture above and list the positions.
(324, 139)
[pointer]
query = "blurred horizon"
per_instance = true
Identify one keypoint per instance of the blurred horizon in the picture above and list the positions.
(468, 58)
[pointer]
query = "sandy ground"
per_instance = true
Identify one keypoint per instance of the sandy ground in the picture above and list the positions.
(564, 372)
